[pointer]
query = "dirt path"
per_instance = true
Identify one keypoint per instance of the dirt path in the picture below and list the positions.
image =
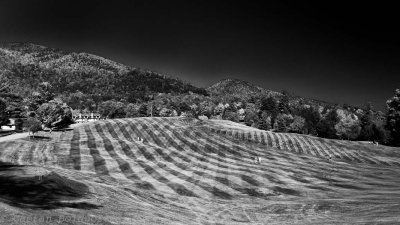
(25, 134)
(13, 136)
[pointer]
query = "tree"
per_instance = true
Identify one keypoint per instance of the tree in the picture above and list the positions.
(183, 107)
(80, 101)
(251, 115)
(326, 126)
(33, 125)
(241, 114)
(297, 126)
(348, 128)
(142, 110)
(265, 121)
(270, 106)
(112, 109)
(251, 118)
(312, 117)
(132, 110)
(43, 95)
(207, 108)
(282, 122)
(283, 104)
(13, 102)
(380, 134)
(219, 109)
(195, 110)
(3, 113)
(393, 118)
(164, 112)
(174, 113)
(55, 114)
(367, 124)
(231, 115)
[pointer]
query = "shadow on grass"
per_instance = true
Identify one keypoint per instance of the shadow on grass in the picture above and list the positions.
(49, 192)
(36, 138)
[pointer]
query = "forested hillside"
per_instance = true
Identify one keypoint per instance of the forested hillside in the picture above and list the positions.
(24, 66)
(48, 85)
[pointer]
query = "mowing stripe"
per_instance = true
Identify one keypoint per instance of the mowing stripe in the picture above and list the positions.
(291, 144)
(201, 184)
(160, 167)
(271, 141)
(300, 144)
(145, 174)
(328, 148)
(340, 151)
(275, 140)
(25, 157)
(8, 150)
(87, 162)
(306, 146)
(178, 188)
(74, 152)
(220, 160)
(98, 162)
(123, 165)
(110, 162)
(137, 173)
(285, 144)
(263, 138)
(323, 152)
(249, 165)
(313, 147)
(201, 181)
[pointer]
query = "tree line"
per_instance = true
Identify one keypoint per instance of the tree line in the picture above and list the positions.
(277, 113)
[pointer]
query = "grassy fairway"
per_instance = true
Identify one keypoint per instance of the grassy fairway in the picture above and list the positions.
(197, 172)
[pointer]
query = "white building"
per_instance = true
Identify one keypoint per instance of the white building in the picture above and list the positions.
(86, 117)
(10, 125)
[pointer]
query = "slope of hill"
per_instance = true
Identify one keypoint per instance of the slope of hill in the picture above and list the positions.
(24, 65)
(238, 87)
(246, 90)
(201, 172)
(51, 58)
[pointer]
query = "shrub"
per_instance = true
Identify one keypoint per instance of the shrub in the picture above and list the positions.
(33, 125)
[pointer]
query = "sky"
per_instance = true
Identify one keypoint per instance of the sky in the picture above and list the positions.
(333, 51)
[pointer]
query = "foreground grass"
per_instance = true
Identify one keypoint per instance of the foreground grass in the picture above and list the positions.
(188, 172)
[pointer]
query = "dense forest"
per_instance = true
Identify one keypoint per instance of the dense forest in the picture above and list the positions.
(46, 86)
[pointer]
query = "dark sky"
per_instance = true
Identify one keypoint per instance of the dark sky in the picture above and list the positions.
(339, 52)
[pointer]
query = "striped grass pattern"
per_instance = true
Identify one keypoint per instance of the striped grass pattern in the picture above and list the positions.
(198, 159)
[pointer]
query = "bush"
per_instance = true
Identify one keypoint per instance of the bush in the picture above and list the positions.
(264, 123)
(393, 118)
(282, 122)
(297, 126)
(33, 125)
(251, 118)
(55, 114)
(232, 116)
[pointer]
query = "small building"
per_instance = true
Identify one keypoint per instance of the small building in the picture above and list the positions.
(12, 125)
(86, 117)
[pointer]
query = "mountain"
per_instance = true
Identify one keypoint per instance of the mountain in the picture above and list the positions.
(24, 65)
(247, 90)
(238, 87)
(51, 58)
